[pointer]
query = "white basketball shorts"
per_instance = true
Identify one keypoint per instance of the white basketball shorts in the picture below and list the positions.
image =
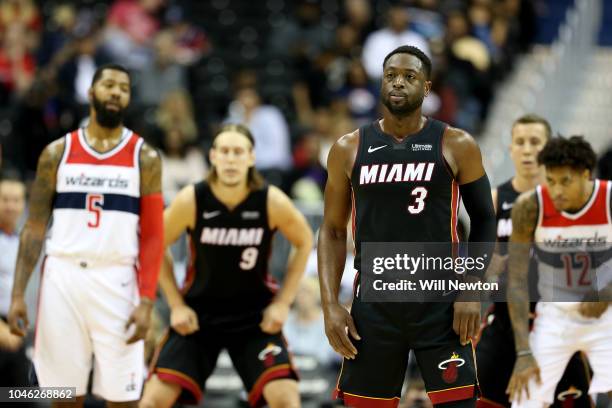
(80, 326)
(559, 331)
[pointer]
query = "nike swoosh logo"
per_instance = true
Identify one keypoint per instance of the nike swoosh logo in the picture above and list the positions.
(445, 293)
(506, 206)
(209, 215)
(373, 149)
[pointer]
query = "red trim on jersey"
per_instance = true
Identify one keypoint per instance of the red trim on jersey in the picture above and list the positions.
(353, 220)
(454, 210)
(122, 157)
(256, 398)
(595, 211)
(269, 280)
(452, 394)
(191, 268)
(361, 401)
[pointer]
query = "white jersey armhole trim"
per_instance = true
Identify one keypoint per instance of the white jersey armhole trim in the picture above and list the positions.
(137, 149)
(609, 201)
(67, 146)
(540, 201)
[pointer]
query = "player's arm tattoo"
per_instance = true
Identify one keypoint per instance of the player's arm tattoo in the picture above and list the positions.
(150, 171)
(524, 221)
(39, 211)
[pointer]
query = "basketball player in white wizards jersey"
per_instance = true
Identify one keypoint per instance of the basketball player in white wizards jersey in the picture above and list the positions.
(102, 185)
(569, 220)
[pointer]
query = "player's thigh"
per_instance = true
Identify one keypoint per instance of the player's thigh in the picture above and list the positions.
(159, 394)
(187, 362)
(598, 349)
(63, 349)
(495, 362)
(449, 372)
(573, 388)
(259, 359)
(377, 372)
(282, 393)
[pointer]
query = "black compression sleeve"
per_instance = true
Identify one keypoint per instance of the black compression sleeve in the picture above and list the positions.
(479, 205)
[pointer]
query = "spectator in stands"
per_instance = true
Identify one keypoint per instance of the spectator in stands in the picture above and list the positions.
(175, 131)
(13, 361)
(359, 95)
(381, 42)
(190, 41)
(269, 128)
(17, 64)
(304, 329)
(131, 24)
(358, 16)
(307, 178)
(164, 74)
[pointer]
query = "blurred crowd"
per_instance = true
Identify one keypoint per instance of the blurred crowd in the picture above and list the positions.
(299, 73)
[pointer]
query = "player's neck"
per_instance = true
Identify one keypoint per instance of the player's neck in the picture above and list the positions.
(102, 138)
(584, 199)
(522, 183)
(404, 126)
(230, 196)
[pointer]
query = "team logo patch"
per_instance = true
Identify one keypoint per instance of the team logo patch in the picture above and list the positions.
(449, 368)
(572, 393)
(268, 353)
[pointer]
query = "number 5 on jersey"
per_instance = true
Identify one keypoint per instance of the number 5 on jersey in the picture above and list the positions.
(94, 203)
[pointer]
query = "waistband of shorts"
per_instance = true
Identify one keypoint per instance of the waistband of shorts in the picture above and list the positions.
(88, 263)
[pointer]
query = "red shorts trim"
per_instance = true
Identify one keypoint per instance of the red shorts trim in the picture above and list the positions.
(361, 401)
(452, 394)
(187, 383)
(256, 398)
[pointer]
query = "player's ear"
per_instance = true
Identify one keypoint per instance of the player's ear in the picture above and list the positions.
(427, 87)
(90, 93)
(251, 157)
(212, 155)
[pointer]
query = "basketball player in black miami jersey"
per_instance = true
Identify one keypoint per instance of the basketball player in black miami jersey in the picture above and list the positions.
(229, 300)
(495, 351)
(440, 163)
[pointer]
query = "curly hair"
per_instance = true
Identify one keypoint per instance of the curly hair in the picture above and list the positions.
(574, 152)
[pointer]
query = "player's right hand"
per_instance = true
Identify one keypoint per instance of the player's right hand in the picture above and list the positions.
(337, 320)
(525, 368)
(593, 309)
(184, 320)
(18, 316)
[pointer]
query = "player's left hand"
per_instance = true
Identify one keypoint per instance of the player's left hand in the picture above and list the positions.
(141, 317)
(274, 316)
(466, 321)
(593, 309)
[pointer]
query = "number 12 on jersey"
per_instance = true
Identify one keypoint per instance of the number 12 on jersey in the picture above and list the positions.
(94, 204)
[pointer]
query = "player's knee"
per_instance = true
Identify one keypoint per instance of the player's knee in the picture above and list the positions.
(466, 403)
(282, 394)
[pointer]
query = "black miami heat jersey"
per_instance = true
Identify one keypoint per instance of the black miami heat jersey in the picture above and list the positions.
(227, 282)
(402, 191)
(506, 195)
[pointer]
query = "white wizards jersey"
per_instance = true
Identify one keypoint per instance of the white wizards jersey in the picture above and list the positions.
(574, 250)
(97, 203)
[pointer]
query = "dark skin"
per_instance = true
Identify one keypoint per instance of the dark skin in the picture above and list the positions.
(571, 190)
(404, 85)
(113, 89)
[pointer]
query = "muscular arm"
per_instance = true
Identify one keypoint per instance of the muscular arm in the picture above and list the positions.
(179, 216)
(331, 251)
(40, 207)
(293, 225)
(524, 220)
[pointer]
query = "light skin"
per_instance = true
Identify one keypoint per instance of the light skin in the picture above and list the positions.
(528, 139)
(232, 155)
(113, 90)
(570, 190)
(12, 204)
(404, 85)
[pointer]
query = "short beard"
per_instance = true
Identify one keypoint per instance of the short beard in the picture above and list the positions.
(405, 110)
(106, 118)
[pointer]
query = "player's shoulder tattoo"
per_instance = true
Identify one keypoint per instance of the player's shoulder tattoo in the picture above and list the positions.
(150, 170)
(525, 213)
(43, 189)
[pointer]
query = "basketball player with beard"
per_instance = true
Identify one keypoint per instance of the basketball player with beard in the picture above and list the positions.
(229, 300)
(495, 351)
(374, 174)
(102, 185)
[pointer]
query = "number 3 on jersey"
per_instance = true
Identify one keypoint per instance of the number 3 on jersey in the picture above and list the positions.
(419, 202)
(94, 203)
(248, 258)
